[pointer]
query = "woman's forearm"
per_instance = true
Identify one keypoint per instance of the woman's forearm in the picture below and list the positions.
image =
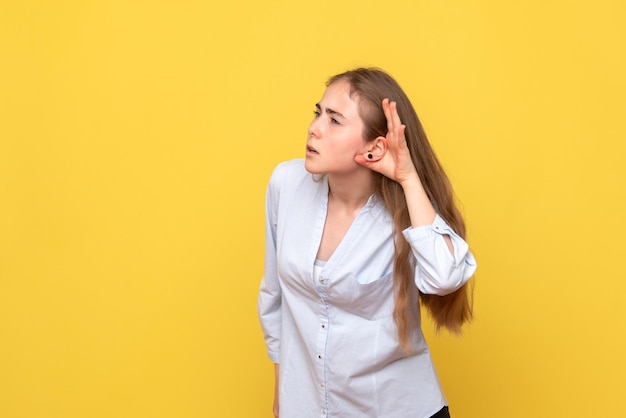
(276, 381)
(421, 211)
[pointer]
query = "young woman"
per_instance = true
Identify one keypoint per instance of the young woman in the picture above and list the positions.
(357, 235)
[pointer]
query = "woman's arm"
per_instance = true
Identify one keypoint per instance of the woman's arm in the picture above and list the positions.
(270, 294)
(421, 211)
(396, 164)
(276, 381)
(444, 262)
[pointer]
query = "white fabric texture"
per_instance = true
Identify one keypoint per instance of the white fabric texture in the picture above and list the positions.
(334, 336)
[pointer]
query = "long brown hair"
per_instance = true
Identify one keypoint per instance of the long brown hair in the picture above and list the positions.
(371, 86)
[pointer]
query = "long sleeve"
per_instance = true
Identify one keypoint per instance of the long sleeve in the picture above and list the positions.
(438, 271)
(334, 334)
(269, 302)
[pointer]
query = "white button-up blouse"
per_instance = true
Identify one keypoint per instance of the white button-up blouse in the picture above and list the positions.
(334, 336)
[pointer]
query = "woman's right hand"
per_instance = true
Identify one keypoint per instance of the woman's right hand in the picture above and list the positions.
(276, 375)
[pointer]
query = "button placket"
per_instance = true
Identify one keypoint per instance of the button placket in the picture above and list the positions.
(322, 340)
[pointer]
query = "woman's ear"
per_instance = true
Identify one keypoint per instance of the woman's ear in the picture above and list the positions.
(376, 149)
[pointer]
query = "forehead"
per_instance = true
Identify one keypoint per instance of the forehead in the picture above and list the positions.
(338, 98)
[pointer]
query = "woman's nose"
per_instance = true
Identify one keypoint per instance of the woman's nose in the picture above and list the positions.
(313, 129)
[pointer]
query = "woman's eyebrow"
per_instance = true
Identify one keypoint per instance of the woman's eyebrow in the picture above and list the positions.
(329, 111)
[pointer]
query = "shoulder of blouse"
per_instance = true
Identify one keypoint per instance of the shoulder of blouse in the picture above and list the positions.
(290, 172)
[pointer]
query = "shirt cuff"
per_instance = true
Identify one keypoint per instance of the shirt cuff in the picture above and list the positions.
(438, 227)
(274, 356)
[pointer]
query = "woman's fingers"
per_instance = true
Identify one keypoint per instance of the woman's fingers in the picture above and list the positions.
(395, 119)
(387, 113)
(395, 127)
(390, 110)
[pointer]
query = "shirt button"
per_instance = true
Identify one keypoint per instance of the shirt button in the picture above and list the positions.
(319, 357)
(323, 326)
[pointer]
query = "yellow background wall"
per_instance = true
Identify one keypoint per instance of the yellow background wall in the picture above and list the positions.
(136, 140)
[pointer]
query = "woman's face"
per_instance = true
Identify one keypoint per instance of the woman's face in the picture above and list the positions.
(336, 133)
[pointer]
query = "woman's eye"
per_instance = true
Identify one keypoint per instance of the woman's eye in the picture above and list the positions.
(334, 121)
(316, 113)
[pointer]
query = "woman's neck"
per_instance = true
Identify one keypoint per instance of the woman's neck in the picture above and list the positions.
(353, 191)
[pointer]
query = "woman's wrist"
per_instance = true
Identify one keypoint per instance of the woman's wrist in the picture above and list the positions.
(411, 183)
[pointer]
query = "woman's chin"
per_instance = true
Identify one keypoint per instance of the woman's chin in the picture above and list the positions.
(311, 167)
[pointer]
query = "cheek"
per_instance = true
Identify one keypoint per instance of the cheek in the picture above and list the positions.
(360, 144)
